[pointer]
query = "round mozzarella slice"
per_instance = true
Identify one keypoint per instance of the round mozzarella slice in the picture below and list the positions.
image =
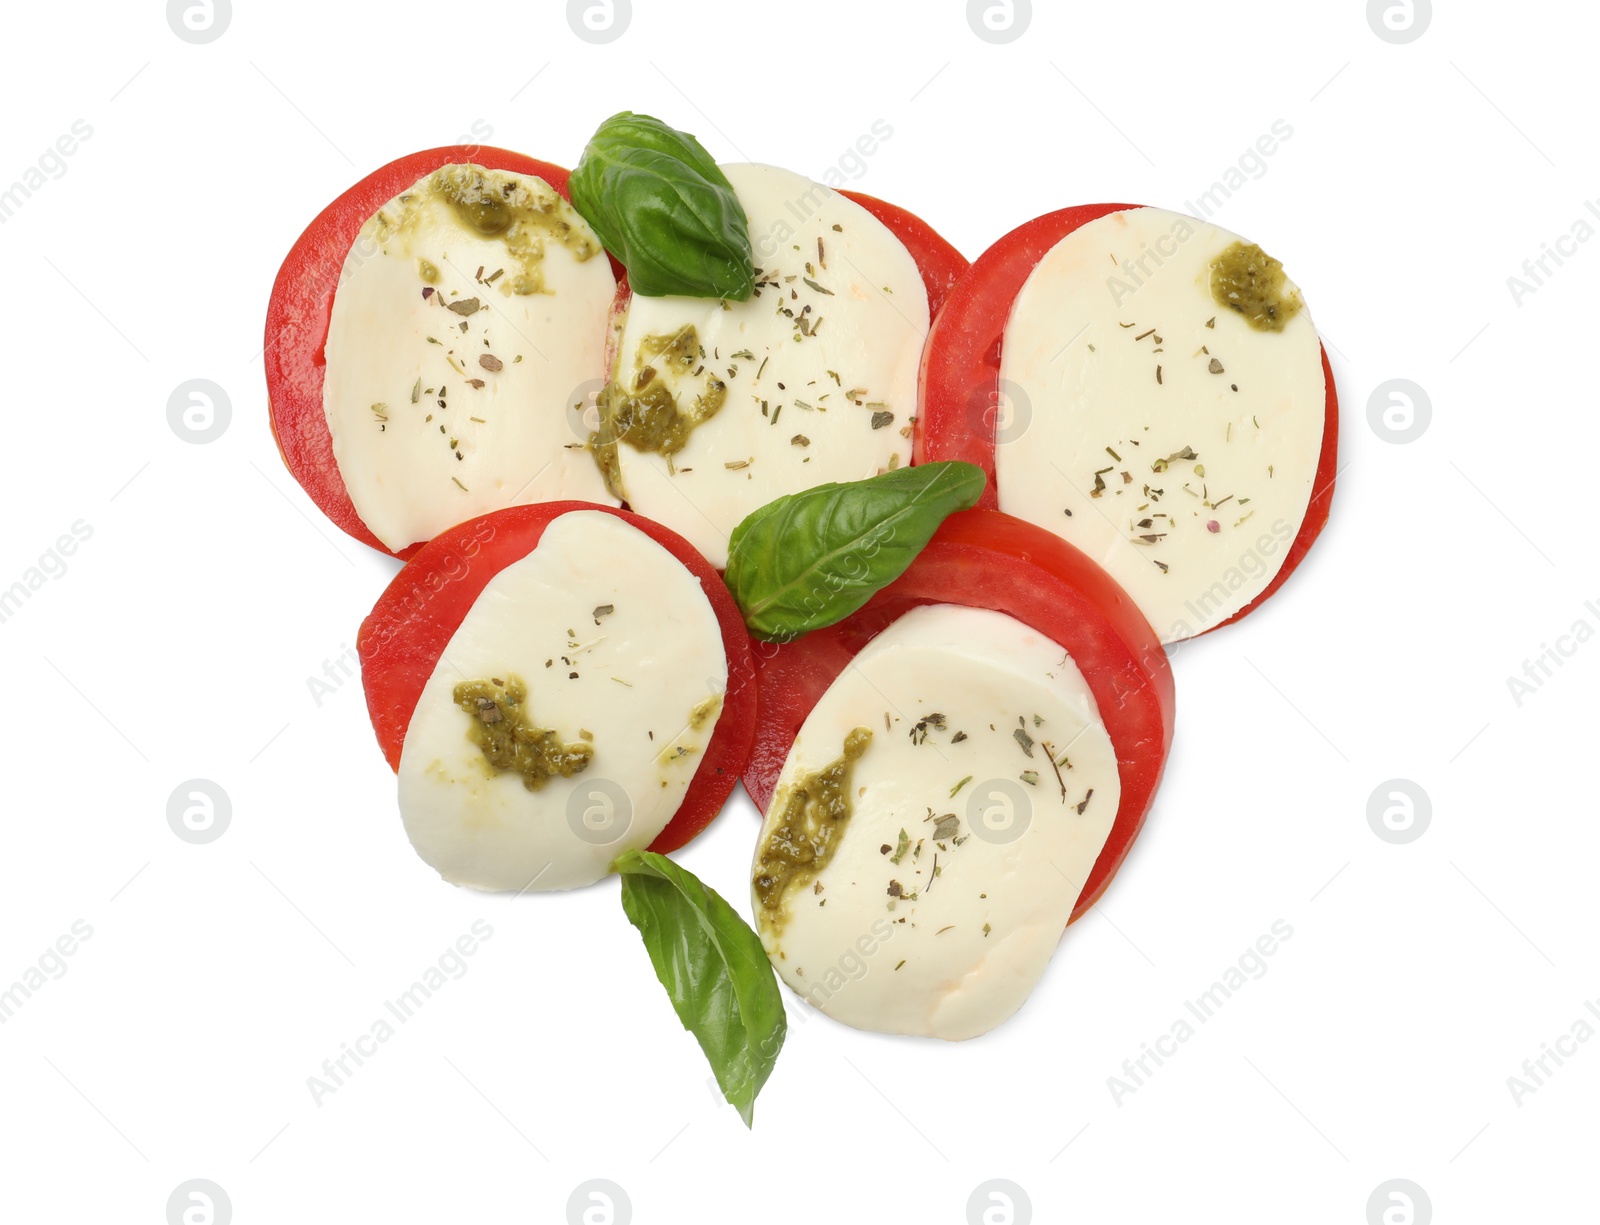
(454, 355)
(619, 651)
(977, 809)
(817, 370)
(1154, 428)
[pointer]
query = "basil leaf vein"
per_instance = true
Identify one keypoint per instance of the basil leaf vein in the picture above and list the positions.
(714, 969)
(665, 209)
(812, 558)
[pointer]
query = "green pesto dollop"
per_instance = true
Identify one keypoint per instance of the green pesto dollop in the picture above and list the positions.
(511, 742)
(705, 711)
(523, 213)
(642, 410)
(520, 212)
(812, 813)
(1246, 279)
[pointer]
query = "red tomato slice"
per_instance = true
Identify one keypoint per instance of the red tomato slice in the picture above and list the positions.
(421, 609)
(961, 373)
(302, 305)
(985, 559)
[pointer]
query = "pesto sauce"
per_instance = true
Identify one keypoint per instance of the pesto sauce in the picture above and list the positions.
(510, 741)
(522, 213)
(705, 711)
(1246, 279)
(642, 410)
(604, 449)
(812, 813)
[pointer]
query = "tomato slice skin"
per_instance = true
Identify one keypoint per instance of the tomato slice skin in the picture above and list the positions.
(414, 619)
(960, 379)
(986, 559)
(301, 307)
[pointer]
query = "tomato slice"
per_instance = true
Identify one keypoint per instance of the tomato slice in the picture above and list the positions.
(302, 305)
(413, 621)
(985, 559)
(960, 388)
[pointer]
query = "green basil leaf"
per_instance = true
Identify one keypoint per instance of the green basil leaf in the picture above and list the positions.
(813, 558)
(664, 208)
(714, 969)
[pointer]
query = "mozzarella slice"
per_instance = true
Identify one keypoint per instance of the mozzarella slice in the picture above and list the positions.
(454, 356)
(956, 808)
(644, 680)
(819, 366)
(1153, 428)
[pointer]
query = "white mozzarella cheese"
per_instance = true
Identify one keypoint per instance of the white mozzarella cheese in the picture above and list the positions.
(643, 680)
(987, 848)
(820, 365)
(440, 412)
(1153, 428)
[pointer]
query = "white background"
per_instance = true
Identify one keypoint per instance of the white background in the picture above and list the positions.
(179, 641)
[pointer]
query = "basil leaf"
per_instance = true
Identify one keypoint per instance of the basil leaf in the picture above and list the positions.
(714, 969)
(662, 206)
(813, 558)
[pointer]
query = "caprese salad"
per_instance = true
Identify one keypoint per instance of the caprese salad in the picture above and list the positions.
(950, 775)
(1149, 387)
(449, 337)
(554, 685)
(423, 338)
(709, 471)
